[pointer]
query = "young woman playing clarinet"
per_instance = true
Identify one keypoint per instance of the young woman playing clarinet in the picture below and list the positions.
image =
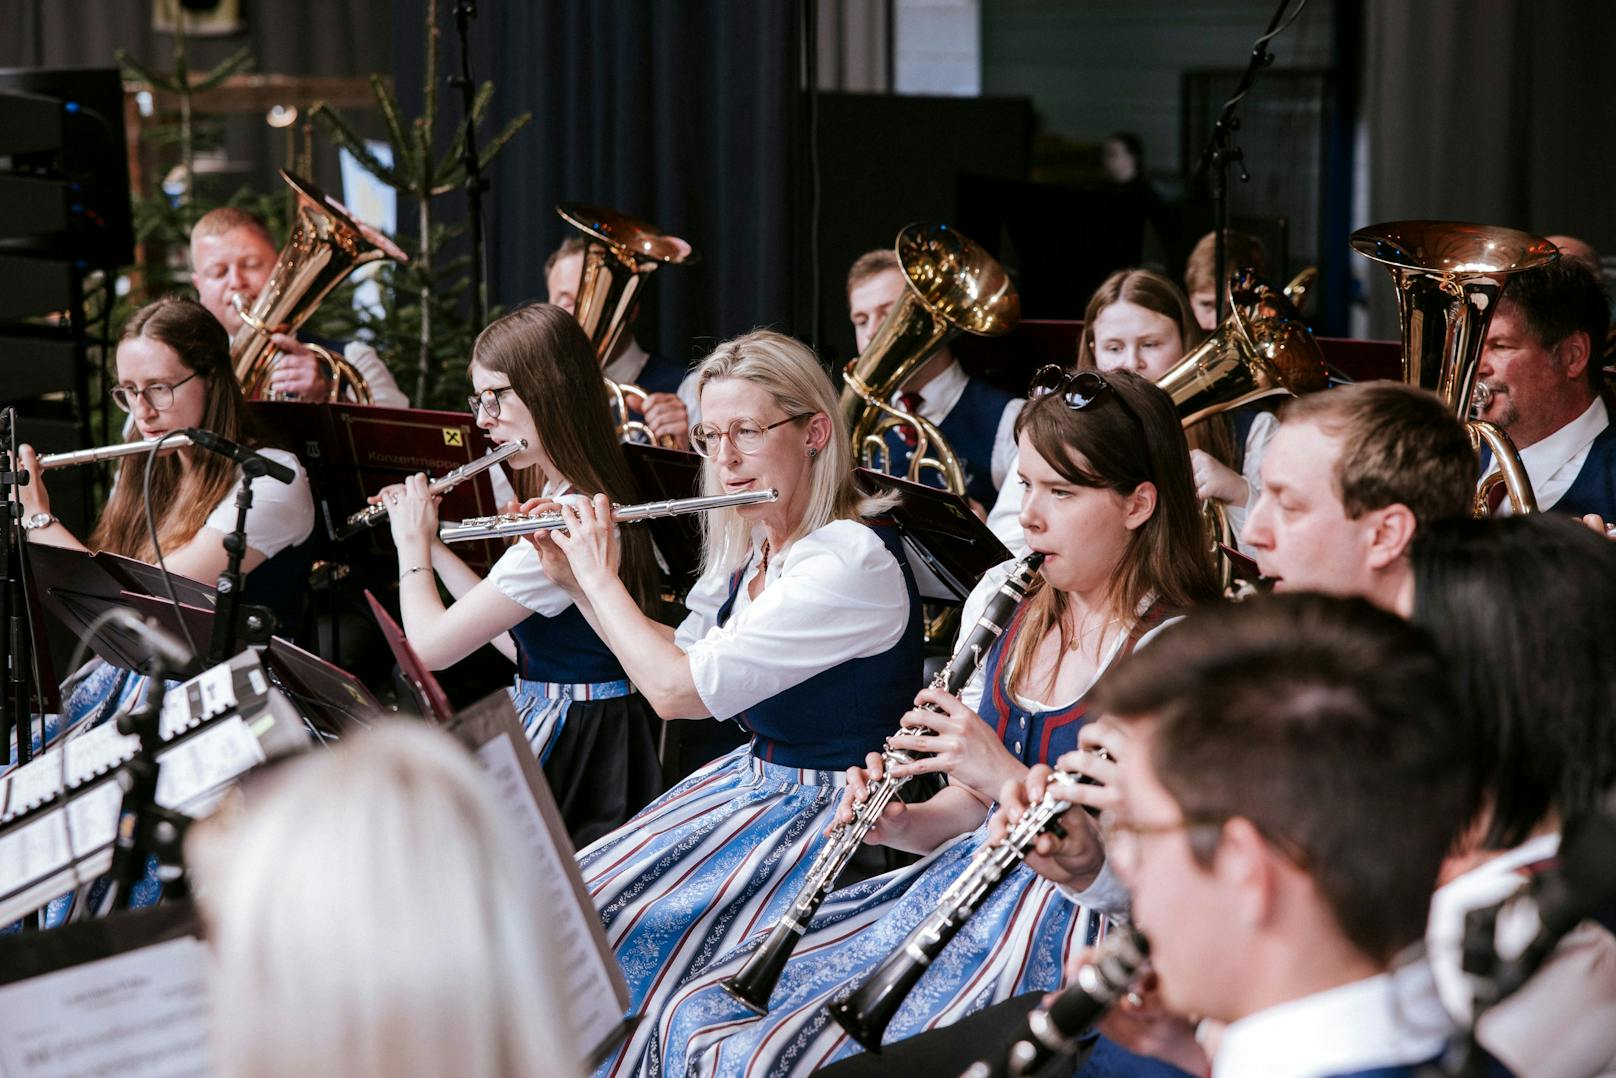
(534, 377)
(804, 628)
(1109, 500)
(174, 372)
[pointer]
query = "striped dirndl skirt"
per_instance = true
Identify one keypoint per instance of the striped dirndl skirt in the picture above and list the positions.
(1016, 942)
(714, 860)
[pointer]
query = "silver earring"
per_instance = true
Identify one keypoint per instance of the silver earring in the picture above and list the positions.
(812, 452)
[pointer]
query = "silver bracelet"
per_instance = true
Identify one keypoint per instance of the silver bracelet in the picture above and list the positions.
(414, 569)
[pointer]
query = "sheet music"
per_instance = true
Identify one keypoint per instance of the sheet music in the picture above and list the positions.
(143, 1014)
(595, 1013)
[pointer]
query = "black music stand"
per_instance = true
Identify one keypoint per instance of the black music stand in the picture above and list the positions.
(949, 548)
(328, 697)
(429, 695)
(663, 474)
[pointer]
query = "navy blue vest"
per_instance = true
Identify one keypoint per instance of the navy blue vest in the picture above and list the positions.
(1040, 737)
(970, 427)
(563, 649)
(660, 375)
(1594, 489)
(832, 720)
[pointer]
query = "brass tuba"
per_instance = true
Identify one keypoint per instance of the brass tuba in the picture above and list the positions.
(954, 287)
(1262, 349)
(1449, 275)
(619, 254)
(326, 244)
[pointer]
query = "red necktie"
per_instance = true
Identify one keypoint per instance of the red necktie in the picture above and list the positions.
(909, 402)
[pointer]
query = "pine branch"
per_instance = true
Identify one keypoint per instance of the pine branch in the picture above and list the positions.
(343, 135)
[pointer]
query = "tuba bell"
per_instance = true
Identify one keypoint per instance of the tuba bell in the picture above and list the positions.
(953, 286)
(326, 244)
(1262, 349)
(1449, 275)
(619, 254)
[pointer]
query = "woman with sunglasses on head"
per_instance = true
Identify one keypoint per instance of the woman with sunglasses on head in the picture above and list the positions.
(173, 366)
(804, 628)
(536, 378)
(1109, 502)
(1139, 321)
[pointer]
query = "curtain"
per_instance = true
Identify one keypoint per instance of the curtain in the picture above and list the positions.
(686, 115)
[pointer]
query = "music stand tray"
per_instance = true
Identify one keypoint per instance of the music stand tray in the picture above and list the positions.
(949, 548)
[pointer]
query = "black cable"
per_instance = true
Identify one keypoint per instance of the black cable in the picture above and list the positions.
(157, 547)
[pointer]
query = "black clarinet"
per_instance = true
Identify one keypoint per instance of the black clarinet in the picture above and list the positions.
(866, 1013)
(754, 983)
(1049, 1031)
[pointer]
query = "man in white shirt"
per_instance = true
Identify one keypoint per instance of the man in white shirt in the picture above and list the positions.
(977, 419)
(232, 254)
(671, 407)
(1293, 780)
(1540, 363)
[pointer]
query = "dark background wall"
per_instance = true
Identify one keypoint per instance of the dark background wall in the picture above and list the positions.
(694, 115)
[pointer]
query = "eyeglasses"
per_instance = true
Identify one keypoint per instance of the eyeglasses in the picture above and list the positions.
(159, 395)
(1122, 837)
(746, 435)
(487, 400)
(1078, 388)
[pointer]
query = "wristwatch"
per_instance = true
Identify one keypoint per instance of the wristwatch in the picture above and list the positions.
(37, 521)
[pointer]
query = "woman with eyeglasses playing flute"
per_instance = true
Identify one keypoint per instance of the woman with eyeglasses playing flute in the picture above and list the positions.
(1110, 502)
(535, 378)
(804, 628)
(173, 366)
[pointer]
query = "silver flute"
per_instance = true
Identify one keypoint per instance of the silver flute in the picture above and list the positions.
(506, 525)
(109, 452)
(374, 514)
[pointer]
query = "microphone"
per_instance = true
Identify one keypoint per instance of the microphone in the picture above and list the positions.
(240, 454)
(1098, 984)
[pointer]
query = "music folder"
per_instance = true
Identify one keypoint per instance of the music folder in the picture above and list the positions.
(351, 451)
(77, 587)
(429, 694)
(662, 475)
(949, 547)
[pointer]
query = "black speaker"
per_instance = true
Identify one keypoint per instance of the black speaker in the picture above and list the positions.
(81, 184)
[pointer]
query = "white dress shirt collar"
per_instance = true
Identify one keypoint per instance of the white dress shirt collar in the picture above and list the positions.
(627, 365)
(1554, 463)
(938, 396)
(1382, 1021)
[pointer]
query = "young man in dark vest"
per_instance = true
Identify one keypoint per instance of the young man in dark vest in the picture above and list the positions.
(1541, 364)
(977, 419)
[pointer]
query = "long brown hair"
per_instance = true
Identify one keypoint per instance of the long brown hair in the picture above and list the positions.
(1103, 446)
(1150, 290)
(548, 360)
(181, 499)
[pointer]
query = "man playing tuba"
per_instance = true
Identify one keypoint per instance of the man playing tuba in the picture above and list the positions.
(232, 254)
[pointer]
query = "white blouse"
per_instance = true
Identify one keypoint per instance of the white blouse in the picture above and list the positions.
(282, 514)
(835, 594)
(519, 575)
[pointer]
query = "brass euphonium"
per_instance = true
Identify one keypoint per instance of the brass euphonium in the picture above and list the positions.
(619, 254)
(326, 244)
(1449, 275)
(1262, 349)
(953, 287)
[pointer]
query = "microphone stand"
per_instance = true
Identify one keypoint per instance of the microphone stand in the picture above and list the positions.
(259, 622)
(475, 183)
(144, 826)
(1221, 152)
(15, 625)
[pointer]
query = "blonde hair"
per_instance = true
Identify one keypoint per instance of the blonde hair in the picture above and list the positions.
(870, 264)
(216, 222)
(789, 372)
(371, 914)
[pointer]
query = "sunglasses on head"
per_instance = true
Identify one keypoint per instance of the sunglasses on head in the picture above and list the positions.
(1078, 389)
